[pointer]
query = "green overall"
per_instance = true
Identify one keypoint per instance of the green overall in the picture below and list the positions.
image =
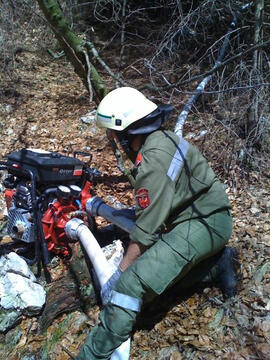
(182, 217)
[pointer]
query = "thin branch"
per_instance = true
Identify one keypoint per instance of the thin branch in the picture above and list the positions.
(90, 88)
(210, 72)
(151, 67)
(247, 87)
(94, 51)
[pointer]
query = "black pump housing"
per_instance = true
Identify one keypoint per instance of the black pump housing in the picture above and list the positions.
(47, 167)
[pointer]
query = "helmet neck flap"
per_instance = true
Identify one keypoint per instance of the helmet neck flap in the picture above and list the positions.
(152, 121)
(144, 126)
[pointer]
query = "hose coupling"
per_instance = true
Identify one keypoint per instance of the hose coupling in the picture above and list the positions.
(93, 205)
(71, 228)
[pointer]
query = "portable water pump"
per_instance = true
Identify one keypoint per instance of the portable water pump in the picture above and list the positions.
(44, 190)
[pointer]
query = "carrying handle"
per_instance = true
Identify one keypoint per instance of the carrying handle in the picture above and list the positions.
(85, 154)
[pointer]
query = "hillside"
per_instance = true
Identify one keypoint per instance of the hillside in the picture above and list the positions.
(43, 111)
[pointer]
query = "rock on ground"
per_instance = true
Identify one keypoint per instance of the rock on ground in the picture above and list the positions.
(19, 291)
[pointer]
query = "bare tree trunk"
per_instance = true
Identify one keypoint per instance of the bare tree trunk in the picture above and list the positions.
(75, 49)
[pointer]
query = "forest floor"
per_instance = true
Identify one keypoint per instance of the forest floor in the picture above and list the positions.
(43, 110)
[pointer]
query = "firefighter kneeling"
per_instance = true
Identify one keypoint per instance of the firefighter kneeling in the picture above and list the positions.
(183, 219)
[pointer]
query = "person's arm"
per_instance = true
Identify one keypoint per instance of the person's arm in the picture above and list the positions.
(133, 252)
(154, 192)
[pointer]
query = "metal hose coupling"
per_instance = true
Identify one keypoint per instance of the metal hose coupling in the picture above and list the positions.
(72, 227)
(93, 205)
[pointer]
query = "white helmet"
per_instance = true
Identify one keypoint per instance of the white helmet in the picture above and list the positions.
(122, 107)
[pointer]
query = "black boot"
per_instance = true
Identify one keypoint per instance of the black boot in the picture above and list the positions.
(227, 268)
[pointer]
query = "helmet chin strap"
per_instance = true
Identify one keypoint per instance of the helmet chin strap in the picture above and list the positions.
(132, 155)
(126, 146)
(126, 140)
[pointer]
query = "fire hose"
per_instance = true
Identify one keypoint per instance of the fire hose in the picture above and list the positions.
(124, 218)
(77, 230)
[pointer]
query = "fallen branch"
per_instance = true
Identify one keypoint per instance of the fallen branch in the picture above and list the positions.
(184, 113)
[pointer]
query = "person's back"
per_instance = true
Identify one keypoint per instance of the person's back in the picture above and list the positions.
(179, 182)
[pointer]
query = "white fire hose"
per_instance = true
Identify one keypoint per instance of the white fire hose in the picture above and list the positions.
(77, 230)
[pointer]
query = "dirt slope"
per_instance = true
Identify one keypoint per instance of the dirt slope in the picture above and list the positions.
(43, 111)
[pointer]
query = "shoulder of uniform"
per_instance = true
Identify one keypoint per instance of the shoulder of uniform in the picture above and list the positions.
(165, 141)
(156, 139)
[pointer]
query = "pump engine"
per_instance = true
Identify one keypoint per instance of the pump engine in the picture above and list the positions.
(44, 190)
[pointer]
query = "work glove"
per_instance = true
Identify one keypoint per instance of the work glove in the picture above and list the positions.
(107, 288)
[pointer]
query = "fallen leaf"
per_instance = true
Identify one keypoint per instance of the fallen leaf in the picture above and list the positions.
(260, 273)
(218, 318)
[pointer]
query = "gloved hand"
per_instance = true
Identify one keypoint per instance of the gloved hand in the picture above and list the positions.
(107, 288)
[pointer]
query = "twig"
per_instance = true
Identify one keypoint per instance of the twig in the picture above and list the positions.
(135, 69)
(264, 311)
(68, 352)
(94, 51)
(151, 67)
